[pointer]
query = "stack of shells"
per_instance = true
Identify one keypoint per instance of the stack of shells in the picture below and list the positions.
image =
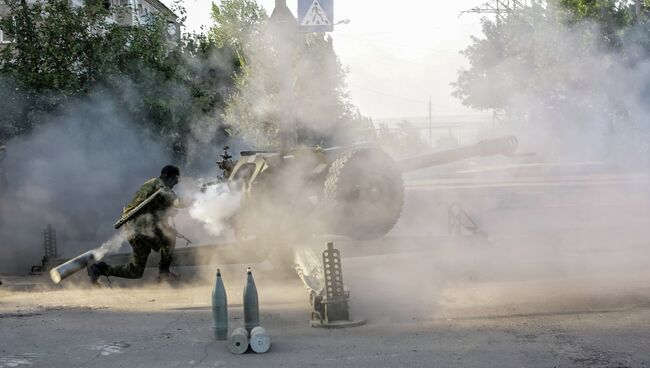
(252, 334)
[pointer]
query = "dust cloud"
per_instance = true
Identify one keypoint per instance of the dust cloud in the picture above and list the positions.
(72, 173)
(559, 229)
(568, 95)
(562, 229)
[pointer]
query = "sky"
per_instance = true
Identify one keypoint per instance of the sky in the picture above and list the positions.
(398, 54)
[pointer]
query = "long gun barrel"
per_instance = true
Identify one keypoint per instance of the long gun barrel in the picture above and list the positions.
(503, 145)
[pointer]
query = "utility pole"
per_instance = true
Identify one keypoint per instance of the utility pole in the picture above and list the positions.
(637, 10)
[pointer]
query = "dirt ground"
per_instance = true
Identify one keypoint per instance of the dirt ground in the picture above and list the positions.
(559, 279)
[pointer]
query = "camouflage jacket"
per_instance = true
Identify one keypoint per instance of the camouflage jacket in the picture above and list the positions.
(154, 215)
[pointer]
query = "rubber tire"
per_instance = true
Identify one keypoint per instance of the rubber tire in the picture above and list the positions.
(364, 192)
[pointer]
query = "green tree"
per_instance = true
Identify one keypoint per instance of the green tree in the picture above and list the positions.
(614, 13)
(575, 66)
(62, 52)
(320, 110)
(237, 23)
(519, 52)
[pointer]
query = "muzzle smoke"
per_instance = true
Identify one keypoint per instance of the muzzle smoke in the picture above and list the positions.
(214, 206)
(110, 246)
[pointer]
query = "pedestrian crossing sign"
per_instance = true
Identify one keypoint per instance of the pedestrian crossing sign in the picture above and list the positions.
(316, 15)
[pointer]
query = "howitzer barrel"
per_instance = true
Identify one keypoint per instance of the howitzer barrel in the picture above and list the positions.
(503, 145)
(72, 266)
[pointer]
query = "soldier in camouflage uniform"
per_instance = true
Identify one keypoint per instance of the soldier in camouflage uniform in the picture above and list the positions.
(148, 230)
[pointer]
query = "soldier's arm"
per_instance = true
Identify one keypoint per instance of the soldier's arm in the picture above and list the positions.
(182, 202)
(175, 201)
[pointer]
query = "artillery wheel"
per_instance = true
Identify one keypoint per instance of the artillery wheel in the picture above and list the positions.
(365, 194)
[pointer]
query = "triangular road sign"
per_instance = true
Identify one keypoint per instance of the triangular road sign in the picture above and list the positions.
(315, 16)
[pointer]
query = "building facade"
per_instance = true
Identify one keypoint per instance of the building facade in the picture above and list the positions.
(135, 12)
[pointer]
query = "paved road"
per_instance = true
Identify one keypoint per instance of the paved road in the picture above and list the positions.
(424, 309)
(560, 281)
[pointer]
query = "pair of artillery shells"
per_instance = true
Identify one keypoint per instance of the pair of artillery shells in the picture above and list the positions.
(260, 342)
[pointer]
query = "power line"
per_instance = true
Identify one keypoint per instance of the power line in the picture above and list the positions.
(388, 94)
(377, 42)
(502, 8)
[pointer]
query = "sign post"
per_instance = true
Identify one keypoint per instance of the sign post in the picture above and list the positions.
(316, 15)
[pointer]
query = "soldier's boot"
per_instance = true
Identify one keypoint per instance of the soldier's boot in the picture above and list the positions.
(167, 276)
(95, 271)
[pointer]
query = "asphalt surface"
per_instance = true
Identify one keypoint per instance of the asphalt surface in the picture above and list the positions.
(558, 277)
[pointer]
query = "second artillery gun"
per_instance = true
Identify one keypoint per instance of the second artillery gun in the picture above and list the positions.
(356, 192)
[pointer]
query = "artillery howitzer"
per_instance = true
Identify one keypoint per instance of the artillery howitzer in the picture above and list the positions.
(355, 192)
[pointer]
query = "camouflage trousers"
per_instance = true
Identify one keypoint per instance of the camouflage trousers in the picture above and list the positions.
(142, 246)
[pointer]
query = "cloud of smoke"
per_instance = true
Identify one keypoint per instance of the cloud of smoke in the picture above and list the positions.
(111, 246)
(62, 170)
(536, 232)
(215, 206)
(292, 91)
(74, 173)
(79, 169)
(562, 230)
(568, 94)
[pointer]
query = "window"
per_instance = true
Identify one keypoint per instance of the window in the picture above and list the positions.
(171, 28)
(4, 38)
(105, 3)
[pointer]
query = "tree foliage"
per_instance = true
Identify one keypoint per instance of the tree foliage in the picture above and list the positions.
(537, 51)
(168, 86)
(237, 23)
(276, 67)
(61, 53)
(575, 66)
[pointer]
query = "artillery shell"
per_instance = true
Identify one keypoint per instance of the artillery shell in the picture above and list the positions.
(251, 307)
(72, 266)
(260, 340)
(219, 309)
(238, 343)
